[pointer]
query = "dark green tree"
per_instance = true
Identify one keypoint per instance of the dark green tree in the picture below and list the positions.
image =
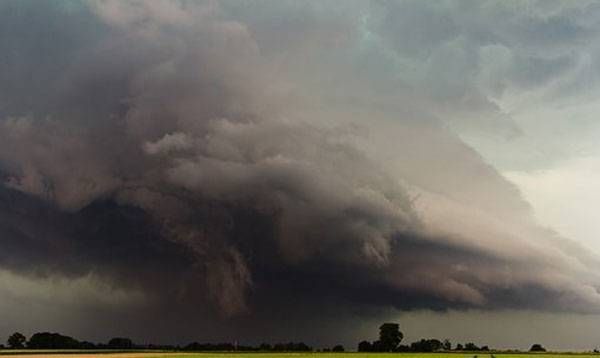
(16, 341)
(426, 345)
(47, 340)
(120, 343)
(537, 348)
(447, 345)
(471, 347)
(338, 348)
(265, 347)
(389, 337)
(365, 346)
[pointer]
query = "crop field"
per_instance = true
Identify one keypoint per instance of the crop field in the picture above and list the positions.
(155, 354)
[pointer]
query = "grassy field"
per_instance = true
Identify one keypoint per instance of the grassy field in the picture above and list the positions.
(155, 354)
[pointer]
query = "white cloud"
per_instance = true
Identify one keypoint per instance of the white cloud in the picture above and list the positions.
(565, 197)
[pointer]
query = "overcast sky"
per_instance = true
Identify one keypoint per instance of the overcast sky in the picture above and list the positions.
(277, 170)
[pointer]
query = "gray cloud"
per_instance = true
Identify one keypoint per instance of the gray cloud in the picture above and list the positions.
(201, 154)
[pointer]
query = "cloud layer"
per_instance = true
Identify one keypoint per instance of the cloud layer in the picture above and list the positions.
(248, 164)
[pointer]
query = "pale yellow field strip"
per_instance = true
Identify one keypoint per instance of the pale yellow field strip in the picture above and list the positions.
(97, 355)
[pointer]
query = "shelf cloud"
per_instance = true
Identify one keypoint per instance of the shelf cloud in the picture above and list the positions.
(237, 164)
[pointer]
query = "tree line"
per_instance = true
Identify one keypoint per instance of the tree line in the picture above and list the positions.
(389, 340)
(47, 340)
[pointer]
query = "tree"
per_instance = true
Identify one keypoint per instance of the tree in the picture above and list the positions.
(265, 347)
(426, 345)
(16, 341)
(120, 343)
(301, 347)
(87, 345)
(447, 345)
(471, 347)
(365, 346)
(389, 337)
(459, 347)
(537, 348)
(292, 347)
(338, 348)
(46, 340)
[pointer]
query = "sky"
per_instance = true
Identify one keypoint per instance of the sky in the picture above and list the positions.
(282, 170)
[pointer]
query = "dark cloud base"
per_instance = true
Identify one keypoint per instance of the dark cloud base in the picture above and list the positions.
(125, 245)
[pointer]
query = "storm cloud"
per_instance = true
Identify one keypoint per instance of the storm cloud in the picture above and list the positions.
(241, 165)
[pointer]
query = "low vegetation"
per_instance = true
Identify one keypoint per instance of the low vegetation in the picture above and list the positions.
(390, 339)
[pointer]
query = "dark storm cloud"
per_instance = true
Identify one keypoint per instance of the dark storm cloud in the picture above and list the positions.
(164, 147)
